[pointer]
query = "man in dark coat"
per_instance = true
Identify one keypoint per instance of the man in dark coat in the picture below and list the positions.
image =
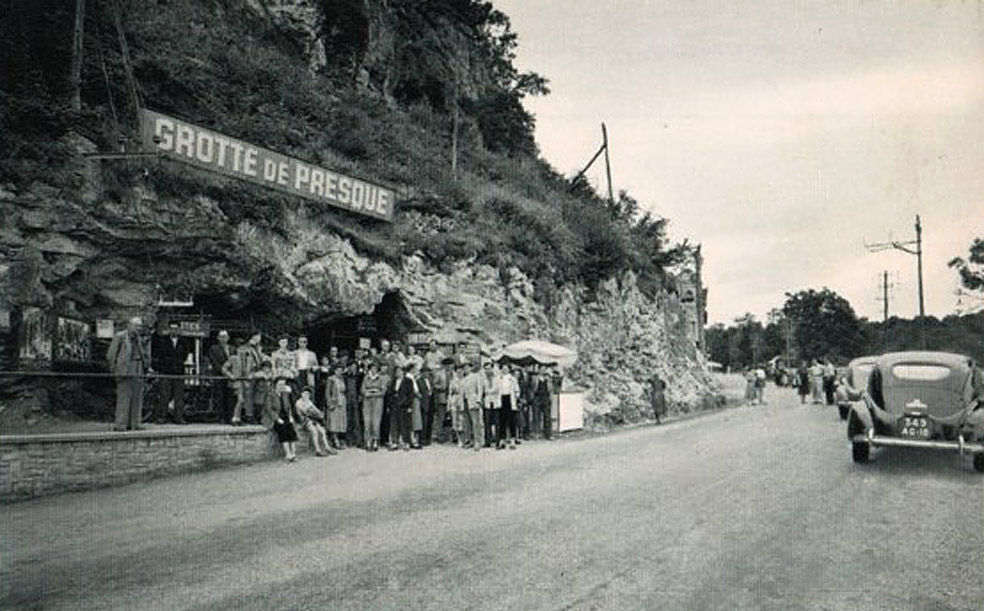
(170, 355)
(403, 418)
(543, 402)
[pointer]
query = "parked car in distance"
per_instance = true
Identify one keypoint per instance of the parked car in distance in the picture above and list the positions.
(927, 400)
(852, 382)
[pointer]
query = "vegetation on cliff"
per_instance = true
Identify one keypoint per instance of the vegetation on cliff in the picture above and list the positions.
(400, 85)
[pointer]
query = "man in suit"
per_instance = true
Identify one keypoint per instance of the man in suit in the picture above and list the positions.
(129, 360)
(171, 353)
(218, 354)
(406, 392)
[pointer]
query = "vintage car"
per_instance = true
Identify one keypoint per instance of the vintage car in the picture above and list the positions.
(852, 382)
(927, 400)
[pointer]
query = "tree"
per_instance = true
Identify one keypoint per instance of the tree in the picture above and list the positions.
(824, 324)
(971, 271)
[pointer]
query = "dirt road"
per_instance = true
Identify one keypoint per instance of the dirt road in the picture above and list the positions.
(753, 508)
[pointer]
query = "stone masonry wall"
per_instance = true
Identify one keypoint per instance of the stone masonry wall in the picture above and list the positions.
(41, 465)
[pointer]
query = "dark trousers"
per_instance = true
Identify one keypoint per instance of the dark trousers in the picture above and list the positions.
(492, 427)
(171, 388)
(384, 423)
(435, 424)
(222, 400)
(400, 425)
(547, 420)
(354, 432)
(507, 424)
(828, 389)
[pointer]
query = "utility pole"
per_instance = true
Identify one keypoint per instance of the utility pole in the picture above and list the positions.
(76, 69)
(602, 149)
(699, 297)
(884, 285)
(608, 170)
(906, 247)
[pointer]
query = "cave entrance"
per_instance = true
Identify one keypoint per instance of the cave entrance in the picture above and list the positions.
(391, 319)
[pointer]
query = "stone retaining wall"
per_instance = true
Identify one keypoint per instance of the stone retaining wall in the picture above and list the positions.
(41, 465)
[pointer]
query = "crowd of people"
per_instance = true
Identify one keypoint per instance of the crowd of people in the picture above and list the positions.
(387, 396)
(818, 381)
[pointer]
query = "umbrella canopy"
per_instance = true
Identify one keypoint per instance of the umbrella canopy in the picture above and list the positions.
(539, 351)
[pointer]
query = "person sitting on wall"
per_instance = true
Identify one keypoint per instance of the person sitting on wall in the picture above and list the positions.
(129, 360)
(311, 419)
(279, 417)
(170, 355)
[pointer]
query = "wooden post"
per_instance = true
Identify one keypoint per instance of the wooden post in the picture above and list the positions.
(608, 165)
(76, 69)
(131, 82)
(922, 307)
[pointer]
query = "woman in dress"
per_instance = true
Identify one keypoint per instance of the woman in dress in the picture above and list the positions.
(279, 416)
(335, 405)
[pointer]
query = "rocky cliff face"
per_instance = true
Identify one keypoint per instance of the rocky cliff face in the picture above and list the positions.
(105, 258)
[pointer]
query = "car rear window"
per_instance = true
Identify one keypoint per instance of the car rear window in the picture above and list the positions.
(920, 372)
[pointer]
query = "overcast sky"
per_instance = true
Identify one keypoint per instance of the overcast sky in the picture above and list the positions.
(780, 134)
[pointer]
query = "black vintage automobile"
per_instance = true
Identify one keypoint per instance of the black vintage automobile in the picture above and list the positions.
(927, 400)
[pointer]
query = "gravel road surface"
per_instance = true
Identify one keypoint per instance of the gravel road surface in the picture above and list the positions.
(751, 508)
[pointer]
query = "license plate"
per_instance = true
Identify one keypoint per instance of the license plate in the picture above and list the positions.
(916, 426)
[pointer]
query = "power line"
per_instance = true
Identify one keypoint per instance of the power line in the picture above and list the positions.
(906, 248)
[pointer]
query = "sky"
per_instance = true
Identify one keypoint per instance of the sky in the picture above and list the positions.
(781, 135)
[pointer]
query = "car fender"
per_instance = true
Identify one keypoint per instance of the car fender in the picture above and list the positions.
(860, 420)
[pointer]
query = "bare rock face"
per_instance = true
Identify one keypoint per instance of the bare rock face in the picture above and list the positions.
(109, 256)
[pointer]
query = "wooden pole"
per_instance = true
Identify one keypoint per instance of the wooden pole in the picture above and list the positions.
(131, 82)
(76, 69)
(699, 303)
(885, 295)
(922, 307)
(608, 165)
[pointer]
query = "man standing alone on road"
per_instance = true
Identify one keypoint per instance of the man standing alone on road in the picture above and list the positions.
(657, 388)
(129, 360)
(171, 354)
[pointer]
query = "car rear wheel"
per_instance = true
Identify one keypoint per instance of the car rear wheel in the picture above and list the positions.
(979, 462)
(843, 411)
(860, 451)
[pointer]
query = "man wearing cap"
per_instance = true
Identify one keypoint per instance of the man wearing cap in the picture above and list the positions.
(218, 354)
(129, 360)
(170, 354)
